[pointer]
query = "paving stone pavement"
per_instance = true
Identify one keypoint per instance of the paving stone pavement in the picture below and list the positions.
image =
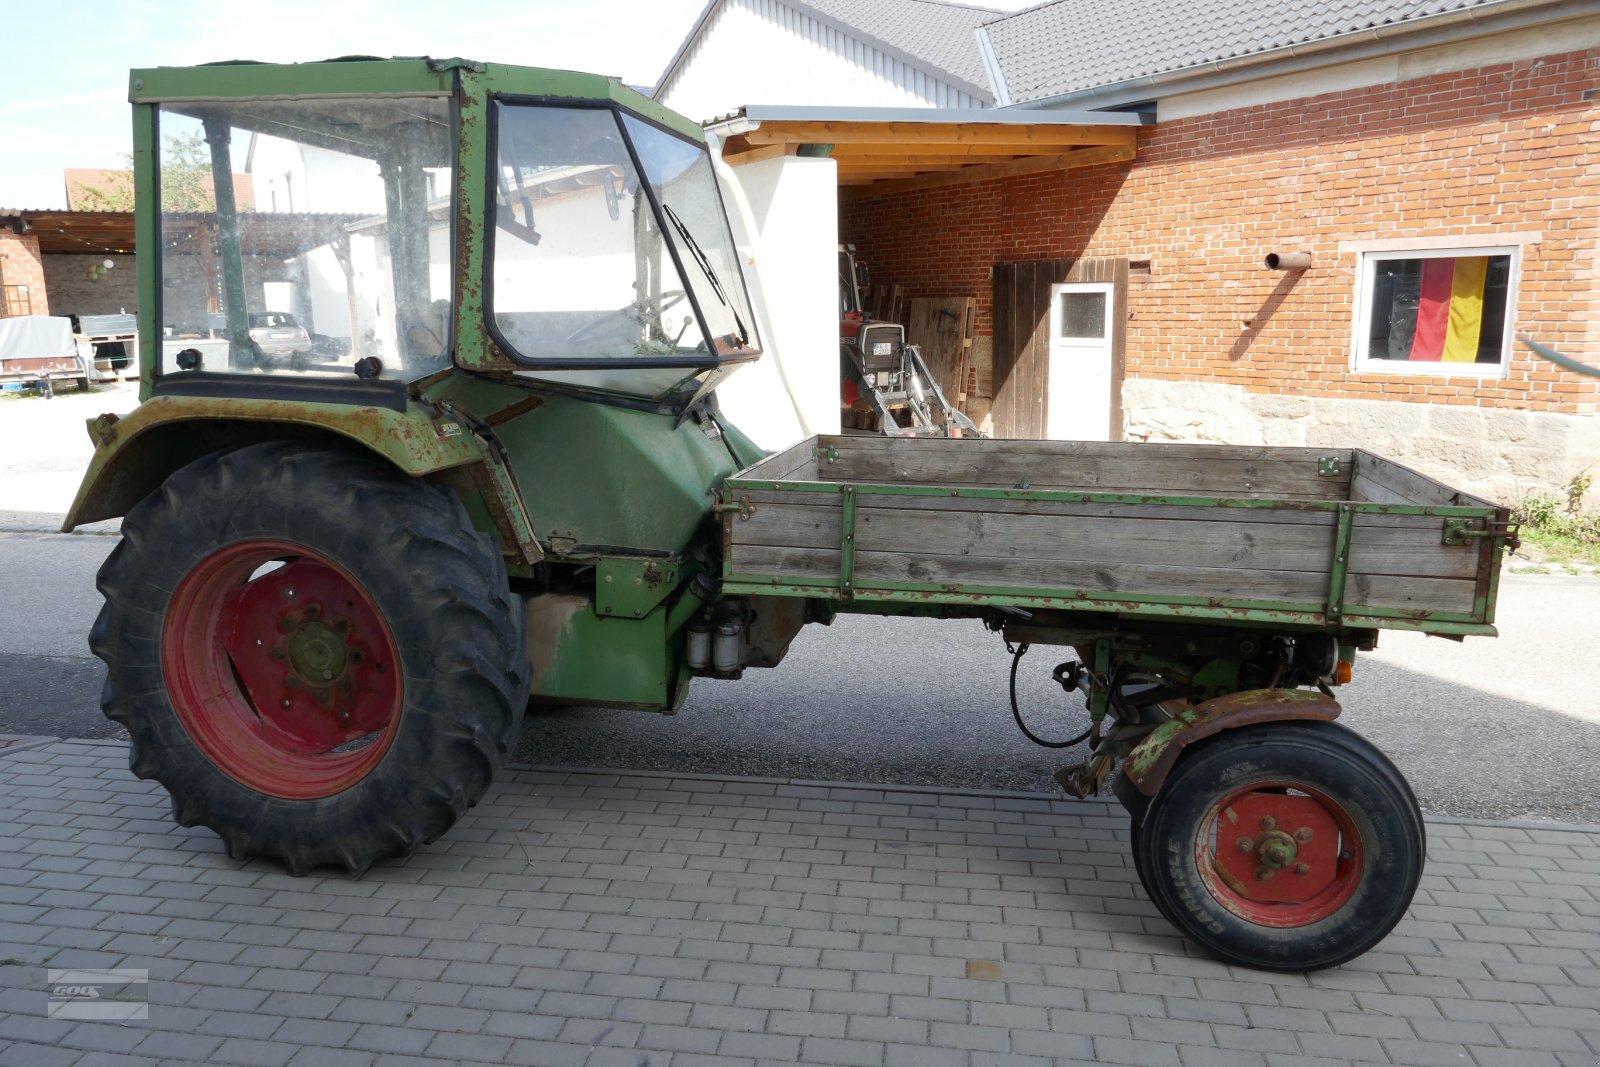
(644, 920)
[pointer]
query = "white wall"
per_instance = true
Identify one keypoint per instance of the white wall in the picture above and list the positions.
(789, 243)
(765, 52)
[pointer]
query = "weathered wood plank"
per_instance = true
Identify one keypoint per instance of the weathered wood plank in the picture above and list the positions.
(1106, 542)
(1152, 541)
(795, 463)
(1068, 509)
(1365, 490)
(1128, 473)
(1413, 487)
(938, 325)
(1052, 578)
(1408, 593)
(1013, 445)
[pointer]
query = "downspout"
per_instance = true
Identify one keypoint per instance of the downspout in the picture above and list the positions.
(747, 217)
(1290, 56)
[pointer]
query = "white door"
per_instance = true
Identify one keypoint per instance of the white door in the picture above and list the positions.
(1078, 400)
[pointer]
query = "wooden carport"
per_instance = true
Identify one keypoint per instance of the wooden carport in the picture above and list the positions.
(884, 152)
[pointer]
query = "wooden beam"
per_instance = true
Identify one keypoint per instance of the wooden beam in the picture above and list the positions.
(940, 133)
(1087, 157)
(972, 153)
(886, 171)
(929, 158)
(758, 153)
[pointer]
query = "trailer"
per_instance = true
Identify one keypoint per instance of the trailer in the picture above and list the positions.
(1213, 596)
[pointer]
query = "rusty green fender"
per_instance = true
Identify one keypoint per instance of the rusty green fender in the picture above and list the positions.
(135, 453)
(1151, 760)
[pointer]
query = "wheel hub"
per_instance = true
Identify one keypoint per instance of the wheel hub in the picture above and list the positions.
(320, 658)
(1276, 848)
(286, 667)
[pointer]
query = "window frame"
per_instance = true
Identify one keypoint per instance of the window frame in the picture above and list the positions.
(1360, 330)
(710, 361)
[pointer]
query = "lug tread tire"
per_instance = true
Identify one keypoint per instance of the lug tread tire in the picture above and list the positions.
(439, 583)
(1327, 757)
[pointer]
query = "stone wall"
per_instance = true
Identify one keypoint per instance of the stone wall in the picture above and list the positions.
(1495, 453)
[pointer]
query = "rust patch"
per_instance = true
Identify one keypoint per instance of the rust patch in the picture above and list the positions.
(985, 971)
(1152, 759)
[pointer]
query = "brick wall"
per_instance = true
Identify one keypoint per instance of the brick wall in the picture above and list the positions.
(20, 264)
(72, 292)
(1512, 147)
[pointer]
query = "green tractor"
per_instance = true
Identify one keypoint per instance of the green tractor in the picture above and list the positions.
(429, 429)
(438, 390)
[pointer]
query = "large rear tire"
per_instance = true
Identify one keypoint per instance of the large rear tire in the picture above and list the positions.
(319, 658)
(1285, 846)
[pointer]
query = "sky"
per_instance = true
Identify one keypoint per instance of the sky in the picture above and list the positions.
(63, 92)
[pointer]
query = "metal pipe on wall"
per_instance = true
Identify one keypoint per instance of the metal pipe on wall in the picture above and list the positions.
(1288, 260)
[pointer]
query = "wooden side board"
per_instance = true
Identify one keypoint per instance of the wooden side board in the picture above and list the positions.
(1091, 467)
(1281, 552)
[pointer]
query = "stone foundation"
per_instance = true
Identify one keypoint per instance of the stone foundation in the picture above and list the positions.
(1500, 454)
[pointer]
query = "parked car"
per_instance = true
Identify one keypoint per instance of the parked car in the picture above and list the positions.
(278, 334)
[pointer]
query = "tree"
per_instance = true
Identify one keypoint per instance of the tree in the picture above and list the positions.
(185, 180)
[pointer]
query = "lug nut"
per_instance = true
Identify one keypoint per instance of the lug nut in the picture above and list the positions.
(1264, 874)
(1246, 846)
(1302, 868)
(1303, 834)
(1268, 822)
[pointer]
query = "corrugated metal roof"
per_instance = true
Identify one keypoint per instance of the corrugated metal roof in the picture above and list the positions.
(930, 31)
(1072, 45)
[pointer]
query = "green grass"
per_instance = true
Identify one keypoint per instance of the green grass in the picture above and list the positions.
(1555, 529)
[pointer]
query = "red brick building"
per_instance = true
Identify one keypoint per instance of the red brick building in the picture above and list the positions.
(1438, 163)
(22, 286)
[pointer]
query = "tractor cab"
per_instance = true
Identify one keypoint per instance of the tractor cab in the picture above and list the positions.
(402, 217)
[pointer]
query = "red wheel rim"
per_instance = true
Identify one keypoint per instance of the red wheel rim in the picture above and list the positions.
(1279, 854)
(282, 669)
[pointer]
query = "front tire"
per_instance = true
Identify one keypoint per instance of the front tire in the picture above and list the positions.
(1285, 846)
(319, 658)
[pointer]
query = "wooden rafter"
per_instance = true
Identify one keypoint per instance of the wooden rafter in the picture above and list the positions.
(1085, 157)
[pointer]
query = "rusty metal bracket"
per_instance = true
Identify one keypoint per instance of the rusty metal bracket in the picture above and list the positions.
(1462, 531)
(741, 507)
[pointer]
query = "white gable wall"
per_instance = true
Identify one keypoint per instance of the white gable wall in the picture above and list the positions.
(766, 52)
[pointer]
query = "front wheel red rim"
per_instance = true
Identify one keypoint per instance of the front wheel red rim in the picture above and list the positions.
(282, 669)
(1280, 854)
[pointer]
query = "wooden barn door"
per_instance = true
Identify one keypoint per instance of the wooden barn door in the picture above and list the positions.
(1023, 294)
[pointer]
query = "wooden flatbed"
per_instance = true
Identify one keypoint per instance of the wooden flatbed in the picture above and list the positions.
(1321, 538)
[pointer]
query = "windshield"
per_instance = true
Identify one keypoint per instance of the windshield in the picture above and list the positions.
(587, 278)
(680, 175)
(327, 254)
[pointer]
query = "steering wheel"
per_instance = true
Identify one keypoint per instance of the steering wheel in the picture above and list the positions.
(637, 311)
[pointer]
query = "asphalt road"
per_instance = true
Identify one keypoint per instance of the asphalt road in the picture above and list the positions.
(1506, 728)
